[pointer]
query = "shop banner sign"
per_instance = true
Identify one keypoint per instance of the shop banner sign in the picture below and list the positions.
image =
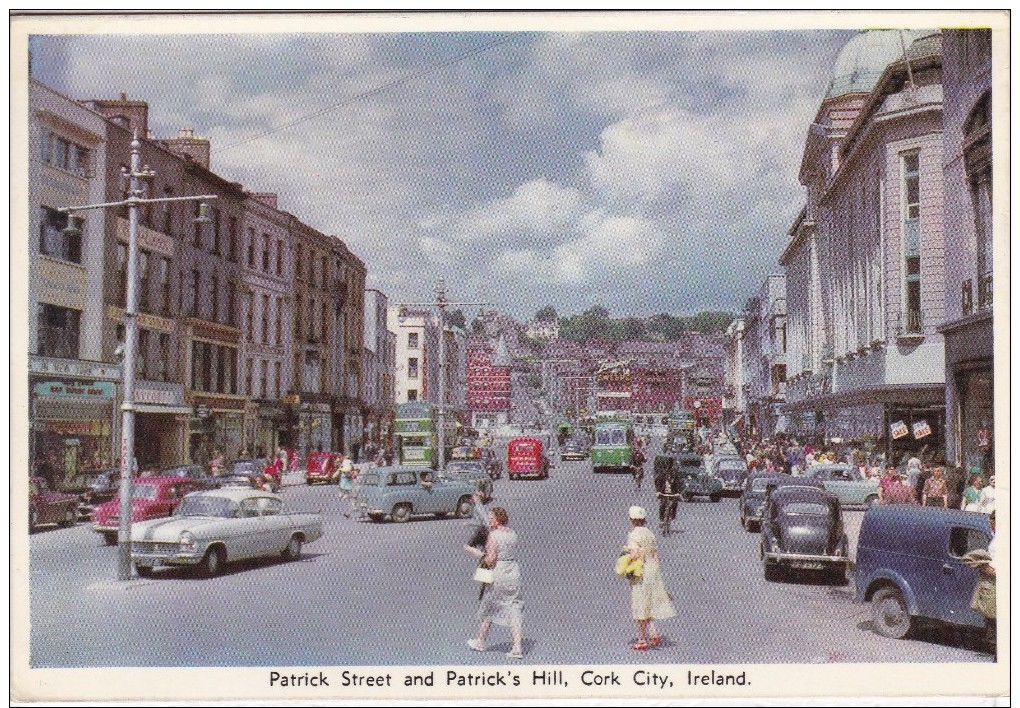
(899, 430)
(921, 429)
(64, 389)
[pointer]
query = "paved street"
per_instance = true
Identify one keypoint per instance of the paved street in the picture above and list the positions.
(391, 594)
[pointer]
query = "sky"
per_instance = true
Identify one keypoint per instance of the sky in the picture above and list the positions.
(646, 171)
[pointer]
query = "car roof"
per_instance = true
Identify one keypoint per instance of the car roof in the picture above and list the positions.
(159, 480)
(789, 494)
(784, 480)
(234, 493)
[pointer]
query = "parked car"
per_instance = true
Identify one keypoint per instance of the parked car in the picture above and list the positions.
(46, 506)
(403, 492)
(526, 457)
(732, 470)
(102, 486)
(698, 480)
(213, 527)
(246, 473)
(472, 471)
(846, 483)
(202, 478)
(752, 497)
(802, 529)
(575, 448)
(151, 498)
(910, 566)
(322, 467)
(493, 465)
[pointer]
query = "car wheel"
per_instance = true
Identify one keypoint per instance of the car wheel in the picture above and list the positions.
(212, 564)
(375, 517)
(401, 513)
(773, 572)
(110, 539)
(464, 507)
(293, 550)
(70, 518)
(144, 571)
(837, 574)
(889, 613)
(33, 520)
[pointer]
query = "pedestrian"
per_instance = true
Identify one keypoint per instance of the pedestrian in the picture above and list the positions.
(501, 601)
(649, 600)
(637, 463)
(894, 490)
(668, 484)
(971, 494)
(986, 501)
(914, 473)
(479, 522)
(935, 492)
(983, 599)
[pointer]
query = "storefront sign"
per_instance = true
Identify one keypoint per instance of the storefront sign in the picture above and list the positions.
(67, 389)
(83, 369)
(921, 429)
(60, 283)
(899, 430)
(158, 396)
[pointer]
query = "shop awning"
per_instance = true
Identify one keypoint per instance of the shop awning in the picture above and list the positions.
(167, 410)
(900, 394)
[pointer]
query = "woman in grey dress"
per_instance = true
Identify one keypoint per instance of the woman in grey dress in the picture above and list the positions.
(501, 602)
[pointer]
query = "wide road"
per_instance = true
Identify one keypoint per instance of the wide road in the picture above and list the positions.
(396, 594)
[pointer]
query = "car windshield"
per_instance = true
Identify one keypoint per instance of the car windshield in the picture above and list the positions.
(464, 467)
(145, 491)
(370, 479)
(207, 506)
(805, 509)
(758, 485)
(731, 466)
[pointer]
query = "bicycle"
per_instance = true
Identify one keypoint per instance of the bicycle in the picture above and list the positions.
(667, 511)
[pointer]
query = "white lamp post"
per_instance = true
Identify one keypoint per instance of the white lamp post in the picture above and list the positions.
(137, 179)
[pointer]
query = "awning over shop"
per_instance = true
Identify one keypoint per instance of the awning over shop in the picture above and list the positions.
(906, 394)
(170, 410)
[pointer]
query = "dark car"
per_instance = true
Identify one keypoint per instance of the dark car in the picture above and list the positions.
(911, 564)
(244, 472)
(732, 470)
(472, 471)
(575, 448)
(698, 480)
(102, 486)
(196, 473)
(752, 497)
(46, 506)
(802, 529)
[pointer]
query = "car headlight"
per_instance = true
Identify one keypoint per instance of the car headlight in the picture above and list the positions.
(186, 541)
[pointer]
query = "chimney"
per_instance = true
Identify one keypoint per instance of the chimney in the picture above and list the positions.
(187, 145)
(132, 115)
(267, 198)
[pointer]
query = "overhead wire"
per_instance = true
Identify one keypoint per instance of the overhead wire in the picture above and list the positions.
(373, 91)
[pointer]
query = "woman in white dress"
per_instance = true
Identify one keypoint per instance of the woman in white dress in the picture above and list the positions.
(648, 597)
(501, 600)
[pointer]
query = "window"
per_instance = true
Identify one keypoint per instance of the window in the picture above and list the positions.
(311, 267)
(162, 363)
(197, 233)
(122, 254)
(963, 540)
(978, 164)
(412, 368)
(216, 231)
(263, 379)
(324, 267)
(912, 242)
(143, 280)
(52, 239)
(166, 209)
(251, 247)
(58, 332)
(265, 252)
(412, 394)
(196, 282)
(325, 320)
(215, 299)
(62, 153)
(265, 319)
(222, 369)
(251, 316)
(299, 263)
(232, 252)
(279, 257)
(298, 304)
(278, 371)
(164, 284)
(232, 303)
(412, 340)
(248, 378)
(142, 355)
(279, 321)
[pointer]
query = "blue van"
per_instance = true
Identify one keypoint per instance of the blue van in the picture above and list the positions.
(910, 565)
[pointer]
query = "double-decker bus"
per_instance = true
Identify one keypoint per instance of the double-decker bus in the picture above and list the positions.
(610, 450)
(415, 434)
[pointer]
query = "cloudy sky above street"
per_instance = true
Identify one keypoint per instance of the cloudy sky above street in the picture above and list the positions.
(646, 171)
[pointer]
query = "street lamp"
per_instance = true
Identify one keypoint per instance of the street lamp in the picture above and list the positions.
(136, 181)
(441, 303)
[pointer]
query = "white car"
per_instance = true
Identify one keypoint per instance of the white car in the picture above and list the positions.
(217, 526)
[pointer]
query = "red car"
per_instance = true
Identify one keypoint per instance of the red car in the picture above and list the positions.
(321, 467)
(151, 498)
(525, 457)
(46, 506)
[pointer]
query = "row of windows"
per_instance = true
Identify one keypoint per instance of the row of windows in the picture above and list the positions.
(267, 248)
(58, 151)
(261, 388)
(213, 368)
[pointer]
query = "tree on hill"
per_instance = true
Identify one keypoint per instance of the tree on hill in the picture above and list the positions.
(546, 314)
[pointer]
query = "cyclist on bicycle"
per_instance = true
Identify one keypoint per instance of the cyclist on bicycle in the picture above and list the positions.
(668, 486)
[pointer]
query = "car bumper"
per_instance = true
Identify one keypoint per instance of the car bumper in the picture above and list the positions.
(805, 561)
(157, 560)
(106, 529)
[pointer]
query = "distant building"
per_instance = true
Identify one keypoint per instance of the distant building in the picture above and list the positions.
(548, 330)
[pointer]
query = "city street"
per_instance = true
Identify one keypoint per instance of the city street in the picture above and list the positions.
(391, 594)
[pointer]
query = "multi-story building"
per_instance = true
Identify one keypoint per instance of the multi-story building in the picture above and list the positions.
(73, 381)
(734, 404)
(417, 353)
(266, 356)
(549, 330)
(379, 366)
(345, 284)
(967, 173)
(488, 383)
(764, 358)
(865, 261)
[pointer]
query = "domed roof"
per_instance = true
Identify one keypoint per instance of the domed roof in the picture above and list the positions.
(861, 62)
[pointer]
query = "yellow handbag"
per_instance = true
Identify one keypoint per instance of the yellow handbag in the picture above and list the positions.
(629, 567)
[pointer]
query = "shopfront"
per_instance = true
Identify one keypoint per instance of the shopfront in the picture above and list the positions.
(216, 427)
(161, 424)
(73, 417)
(315, 425)
(970, 394)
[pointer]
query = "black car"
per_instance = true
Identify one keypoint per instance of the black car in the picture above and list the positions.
(101, 487)
(802, 529)
(732, 470)
(244, 473)
(197, 473)
(753, 496)
(472, 471)
(575, 448)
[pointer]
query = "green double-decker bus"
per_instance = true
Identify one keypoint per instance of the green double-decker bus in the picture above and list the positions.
(610, 450)
(415, 434)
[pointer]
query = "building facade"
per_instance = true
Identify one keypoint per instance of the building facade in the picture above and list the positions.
(969, 255)
(379, 365)
(865, 282)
